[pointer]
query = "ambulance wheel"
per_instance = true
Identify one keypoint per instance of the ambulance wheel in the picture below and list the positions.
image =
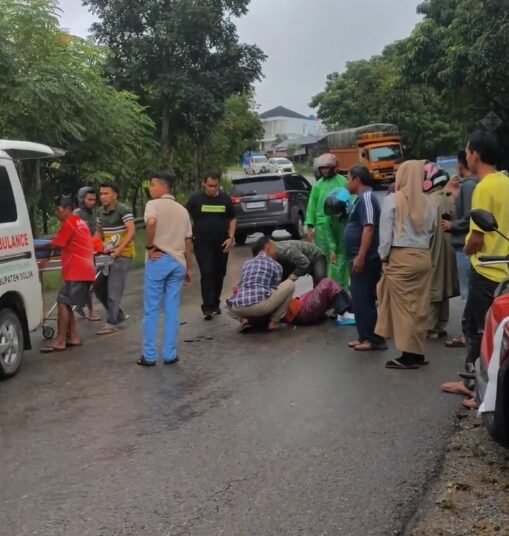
(11, 343)
(48, 332)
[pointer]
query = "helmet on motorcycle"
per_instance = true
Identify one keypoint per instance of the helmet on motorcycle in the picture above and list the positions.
(329, 161)
(337, 203)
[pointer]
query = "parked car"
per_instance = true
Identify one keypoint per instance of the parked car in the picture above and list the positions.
(281, 165)
(256, 164)
(269, 202)
(20, 288)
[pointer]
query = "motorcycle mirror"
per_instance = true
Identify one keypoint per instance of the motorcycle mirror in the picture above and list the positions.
(484, 220)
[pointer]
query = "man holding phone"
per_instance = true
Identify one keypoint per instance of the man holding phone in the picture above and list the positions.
(214, 225)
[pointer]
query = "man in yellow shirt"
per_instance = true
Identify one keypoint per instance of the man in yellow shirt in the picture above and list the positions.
(491, 194)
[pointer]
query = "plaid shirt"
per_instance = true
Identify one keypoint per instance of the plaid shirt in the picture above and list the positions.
(259, 277)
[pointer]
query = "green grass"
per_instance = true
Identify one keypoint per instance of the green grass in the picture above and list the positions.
(52, 281)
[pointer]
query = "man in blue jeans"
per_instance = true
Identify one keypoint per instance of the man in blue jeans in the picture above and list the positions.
(169, 247)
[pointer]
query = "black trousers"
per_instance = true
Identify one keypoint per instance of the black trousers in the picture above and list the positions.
(481, 293)
(317, 270)
(363, 291)
(213, 263)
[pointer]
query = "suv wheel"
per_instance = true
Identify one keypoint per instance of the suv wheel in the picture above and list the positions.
(240, 239)
(11, 343)
(298, 230)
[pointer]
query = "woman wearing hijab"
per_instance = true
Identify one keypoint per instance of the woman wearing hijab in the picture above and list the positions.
(407, 223)
(444, 281)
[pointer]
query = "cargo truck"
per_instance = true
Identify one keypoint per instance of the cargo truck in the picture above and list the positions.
(376, 146)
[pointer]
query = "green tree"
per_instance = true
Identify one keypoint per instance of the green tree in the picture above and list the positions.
(54, 92)
(183, 57)
(238, 131)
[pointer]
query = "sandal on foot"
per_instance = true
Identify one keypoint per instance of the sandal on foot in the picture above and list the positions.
(456, 388)
(107, 330)
(74, 344)
(369, 347)
(399, 364)
(144, 363)
(353, 344)
(457, 342)
(51, 349)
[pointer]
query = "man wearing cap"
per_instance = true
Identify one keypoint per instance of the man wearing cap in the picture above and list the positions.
(75, 243)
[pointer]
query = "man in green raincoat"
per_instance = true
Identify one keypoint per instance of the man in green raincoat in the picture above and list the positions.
(326, 231)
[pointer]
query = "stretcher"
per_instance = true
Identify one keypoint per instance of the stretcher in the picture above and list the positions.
(102, 264)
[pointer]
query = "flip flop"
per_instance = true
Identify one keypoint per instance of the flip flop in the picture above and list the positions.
(107, 331)
(353, 344)
(455, 343)
(73, 345)
(368, 347)
(245, 328)
(456, 388)
(51, 349)
(94, 318)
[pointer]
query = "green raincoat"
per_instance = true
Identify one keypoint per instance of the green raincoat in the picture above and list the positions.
(329, 230)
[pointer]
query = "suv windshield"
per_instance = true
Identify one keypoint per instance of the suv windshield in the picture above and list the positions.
(385, 154)
(259, 159)
(268, 185)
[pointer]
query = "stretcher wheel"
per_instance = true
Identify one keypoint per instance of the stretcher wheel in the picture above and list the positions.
(48, 332)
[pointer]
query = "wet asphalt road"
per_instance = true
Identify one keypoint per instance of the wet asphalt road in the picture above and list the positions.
(289, 433)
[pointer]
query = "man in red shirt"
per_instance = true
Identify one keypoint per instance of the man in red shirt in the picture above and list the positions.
(78, 272)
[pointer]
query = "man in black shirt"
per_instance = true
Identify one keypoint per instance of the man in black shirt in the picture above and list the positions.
(214, 225)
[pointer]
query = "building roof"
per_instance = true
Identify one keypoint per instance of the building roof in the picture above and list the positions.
(298, 142)
(281, 111)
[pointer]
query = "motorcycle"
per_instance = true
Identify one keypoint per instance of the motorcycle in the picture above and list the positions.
(492, 369)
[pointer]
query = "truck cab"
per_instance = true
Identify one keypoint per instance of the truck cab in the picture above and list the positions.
(21, 305)
(381, 154)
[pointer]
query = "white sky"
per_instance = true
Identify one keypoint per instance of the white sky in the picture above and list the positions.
(304, 40)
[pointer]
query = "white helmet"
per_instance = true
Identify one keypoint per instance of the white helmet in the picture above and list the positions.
(327, 160)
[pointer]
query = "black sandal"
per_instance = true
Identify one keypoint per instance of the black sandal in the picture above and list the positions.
(144, 363)
(399, 364)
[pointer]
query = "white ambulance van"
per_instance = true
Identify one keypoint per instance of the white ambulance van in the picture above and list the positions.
(20, 289)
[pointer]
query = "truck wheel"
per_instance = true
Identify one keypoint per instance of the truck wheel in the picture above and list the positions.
(11, 343)
(298, 229)
(240, 239)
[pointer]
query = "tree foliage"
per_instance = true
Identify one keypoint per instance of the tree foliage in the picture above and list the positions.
(437, 84)
(184, 59)
(53, 91)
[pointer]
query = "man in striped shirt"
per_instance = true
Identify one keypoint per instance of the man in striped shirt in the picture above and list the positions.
(361, 243)
(115, 226)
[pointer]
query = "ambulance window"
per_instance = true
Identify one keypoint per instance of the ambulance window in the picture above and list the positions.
(8, 212)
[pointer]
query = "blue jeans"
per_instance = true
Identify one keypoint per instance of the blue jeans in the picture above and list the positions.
(464, 267)
(164, 280)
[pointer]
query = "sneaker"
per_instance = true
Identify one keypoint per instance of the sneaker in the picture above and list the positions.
(347, 319)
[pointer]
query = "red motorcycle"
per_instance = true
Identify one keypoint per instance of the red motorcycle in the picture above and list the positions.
(492, 370)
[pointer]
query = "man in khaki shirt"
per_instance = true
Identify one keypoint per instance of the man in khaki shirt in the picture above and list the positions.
(168, 268)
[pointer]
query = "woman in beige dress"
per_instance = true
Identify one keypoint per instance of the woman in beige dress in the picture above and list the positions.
(406, 229)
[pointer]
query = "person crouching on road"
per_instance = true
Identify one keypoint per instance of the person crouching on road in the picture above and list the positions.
(260, 291)
(214, 225)
(361, 243)
(407, 223)
(78, 272)
(169, 247)
(315, 306)
(299, 258)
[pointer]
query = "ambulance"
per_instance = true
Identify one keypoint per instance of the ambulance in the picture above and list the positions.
(21, 306)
